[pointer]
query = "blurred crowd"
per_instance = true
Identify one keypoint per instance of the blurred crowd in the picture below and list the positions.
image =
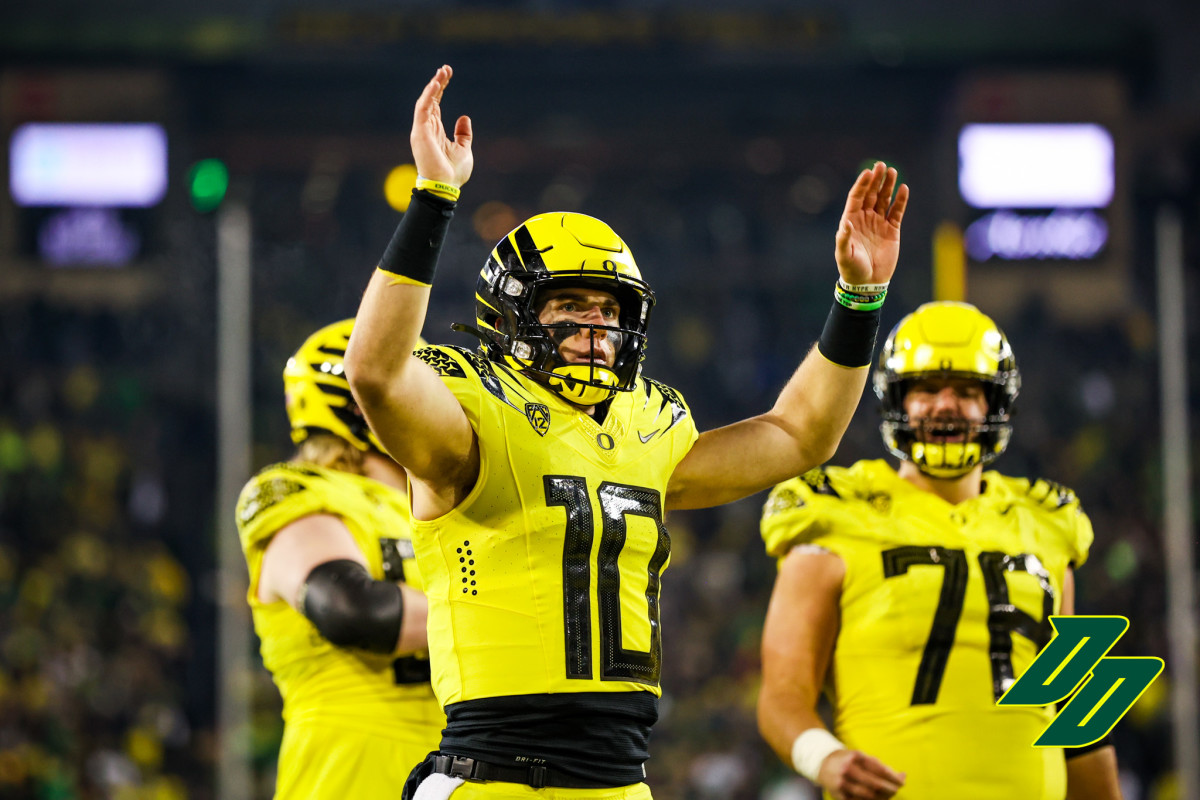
(107, 665)
(104, 662)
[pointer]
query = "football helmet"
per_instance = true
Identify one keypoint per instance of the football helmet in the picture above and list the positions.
(947, 340)
(562, 250)
(318, 394)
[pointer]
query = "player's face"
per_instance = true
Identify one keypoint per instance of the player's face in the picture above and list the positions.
(582, 306)
(934, 405)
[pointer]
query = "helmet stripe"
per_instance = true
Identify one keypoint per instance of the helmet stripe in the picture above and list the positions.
(336, 391)
(506, 254)
(485, 302)
(332, 351)
(530, 254)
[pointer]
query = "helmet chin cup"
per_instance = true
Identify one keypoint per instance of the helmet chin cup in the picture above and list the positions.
(577, 383)
(946, 459)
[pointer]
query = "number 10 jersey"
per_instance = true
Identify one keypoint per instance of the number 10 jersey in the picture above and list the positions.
(545, 579)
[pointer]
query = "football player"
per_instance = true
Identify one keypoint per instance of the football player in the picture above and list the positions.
(335, 593)
(915, 597)
(541, 468)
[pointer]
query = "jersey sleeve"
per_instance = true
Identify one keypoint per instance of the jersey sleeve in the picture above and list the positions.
(803, 510)
(1061, 510)
(274, 498)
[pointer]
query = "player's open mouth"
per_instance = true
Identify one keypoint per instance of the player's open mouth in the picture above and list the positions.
(944, 431)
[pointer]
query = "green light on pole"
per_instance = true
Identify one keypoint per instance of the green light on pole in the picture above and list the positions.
(208, 180)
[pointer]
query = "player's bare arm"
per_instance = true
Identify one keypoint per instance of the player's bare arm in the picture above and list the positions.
(1092, 774)
(307, 543)
(798, 641)
(807, 422)
(414, 415)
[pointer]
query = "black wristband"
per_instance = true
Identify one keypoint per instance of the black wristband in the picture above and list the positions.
(848, 339)
(415, 246)
(351, 609)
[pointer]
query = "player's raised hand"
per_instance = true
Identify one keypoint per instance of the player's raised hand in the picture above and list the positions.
(868, 238)
(436, 156)
(854, 775)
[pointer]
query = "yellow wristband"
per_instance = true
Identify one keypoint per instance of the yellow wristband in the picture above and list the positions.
(402, 280)
(440, 189)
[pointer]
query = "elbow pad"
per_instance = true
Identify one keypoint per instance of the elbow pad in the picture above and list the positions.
(352, 609)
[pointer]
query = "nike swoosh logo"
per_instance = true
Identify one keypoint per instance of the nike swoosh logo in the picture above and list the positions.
(647, 438)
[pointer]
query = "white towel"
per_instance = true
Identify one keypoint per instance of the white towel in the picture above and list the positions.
(437, 787)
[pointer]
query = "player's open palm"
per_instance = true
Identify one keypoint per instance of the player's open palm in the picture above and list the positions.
(437, 156)
(868, 239)
(854, 775)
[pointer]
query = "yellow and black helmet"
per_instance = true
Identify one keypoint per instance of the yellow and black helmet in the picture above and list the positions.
(318, 394)
(559, 250)
(947, 340)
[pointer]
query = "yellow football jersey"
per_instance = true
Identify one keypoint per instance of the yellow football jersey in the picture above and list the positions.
(942, 607)
(545, 579)
(355, 722)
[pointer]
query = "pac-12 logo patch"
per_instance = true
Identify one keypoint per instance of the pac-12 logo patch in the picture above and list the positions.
(539, 417)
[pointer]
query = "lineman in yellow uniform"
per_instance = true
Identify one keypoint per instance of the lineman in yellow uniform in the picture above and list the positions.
(541, 468)
(335, 593)
(914, 598)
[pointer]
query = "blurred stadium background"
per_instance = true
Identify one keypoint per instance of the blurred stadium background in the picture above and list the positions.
(718, 138)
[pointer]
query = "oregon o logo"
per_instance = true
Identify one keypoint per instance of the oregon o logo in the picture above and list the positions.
(1076, 655)
(605, 441)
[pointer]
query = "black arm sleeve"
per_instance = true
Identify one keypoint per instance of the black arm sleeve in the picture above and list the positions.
(415, 246)
(351, 609)
(849, 336)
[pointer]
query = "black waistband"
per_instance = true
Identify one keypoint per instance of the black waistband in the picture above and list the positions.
(591, 740)
(531, 774)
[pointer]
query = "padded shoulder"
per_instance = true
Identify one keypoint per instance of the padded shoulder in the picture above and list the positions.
(1064, 512)
(661, 399)
(1057, 509)
(278, 495)
(802, 509)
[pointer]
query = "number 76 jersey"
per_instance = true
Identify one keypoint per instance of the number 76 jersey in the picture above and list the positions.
(942, 607)
(545, 579)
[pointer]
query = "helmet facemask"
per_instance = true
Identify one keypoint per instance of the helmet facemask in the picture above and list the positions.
(534, 347)
(945, 447)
